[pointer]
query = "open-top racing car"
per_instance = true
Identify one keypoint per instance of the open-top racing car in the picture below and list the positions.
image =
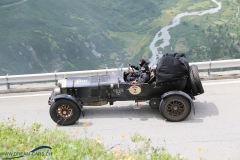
(171, 89)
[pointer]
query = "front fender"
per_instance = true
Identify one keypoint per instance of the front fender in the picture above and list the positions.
(71, 98)
(167, 94)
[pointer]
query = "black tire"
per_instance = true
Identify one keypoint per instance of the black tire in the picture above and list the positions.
(197, 79)
(154, 103)
(64, 112)
(192, 82)
(175, 108)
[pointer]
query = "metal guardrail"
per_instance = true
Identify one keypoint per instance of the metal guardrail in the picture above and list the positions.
(217, 64)
(58, 75)
(50, 76)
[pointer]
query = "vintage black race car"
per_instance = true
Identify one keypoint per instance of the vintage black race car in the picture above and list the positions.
(171, 89)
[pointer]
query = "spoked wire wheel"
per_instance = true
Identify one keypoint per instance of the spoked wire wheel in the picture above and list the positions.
(175, 108)
(64, 112)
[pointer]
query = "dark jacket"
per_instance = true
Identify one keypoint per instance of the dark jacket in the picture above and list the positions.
(144, 64)
(137, 74)
(144, 77)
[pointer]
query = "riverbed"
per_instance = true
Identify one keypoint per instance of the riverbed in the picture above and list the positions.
(165, 36)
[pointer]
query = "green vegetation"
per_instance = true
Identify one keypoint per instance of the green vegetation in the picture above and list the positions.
(212, 36)
(201, 5)
(48, 35)
(24, 138)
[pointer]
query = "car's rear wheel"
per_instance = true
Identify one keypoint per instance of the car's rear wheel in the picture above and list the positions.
(154, 103)
(64, 112)
(175, 108)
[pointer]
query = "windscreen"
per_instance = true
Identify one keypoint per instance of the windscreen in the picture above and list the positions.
(120, 72)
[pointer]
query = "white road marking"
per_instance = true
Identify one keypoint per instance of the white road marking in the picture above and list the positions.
(33, 95)
(208, 84)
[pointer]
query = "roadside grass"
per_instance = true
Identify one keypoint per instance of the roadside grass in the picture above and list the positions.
(23, 139)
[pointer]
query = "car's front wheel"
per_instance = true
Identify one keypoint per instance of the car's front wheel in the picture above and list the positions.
(64, 112)
(175, 108)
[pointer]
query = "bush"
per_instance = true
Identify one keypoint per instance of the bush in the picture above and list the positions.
(68, 146)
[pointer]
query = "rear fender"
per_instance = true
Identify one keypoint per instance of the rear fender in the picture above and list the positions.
(170, 93)
(70, 98)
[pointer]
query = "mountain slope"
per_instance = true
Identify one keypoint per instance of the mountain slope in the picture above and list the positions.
(48, 35)
(212, 36)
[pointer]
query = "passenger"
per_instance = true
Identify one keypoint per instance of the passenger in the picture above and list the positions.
(134, 75)
(143, 78)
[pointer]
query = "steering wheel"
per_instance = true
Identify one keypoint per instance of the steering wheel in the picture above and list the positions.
(129, 69)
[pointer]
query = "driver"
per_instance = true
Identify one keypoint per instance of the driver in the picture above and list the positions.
(134, 75)
(144, 76)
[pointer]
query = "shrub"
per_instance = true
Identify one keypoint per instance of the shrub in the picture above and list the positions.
(64, 145)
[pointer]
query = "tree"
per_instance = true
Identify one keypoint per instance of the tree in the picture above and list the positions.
(209, 28)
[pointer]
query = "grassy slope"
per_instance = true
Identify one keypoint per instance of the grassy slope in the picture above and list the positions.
(43, 36)
(19, 140)
(137, 45)
(212, 36)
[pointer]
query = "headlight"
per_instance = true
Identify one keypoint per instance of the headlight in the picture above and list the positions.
(62, 83)
(111, 86)
(59, 83)
(57, 91)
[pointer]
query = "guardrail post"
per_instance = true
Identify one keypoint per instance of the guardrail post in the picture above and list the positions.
(8, 84)
(209, 67)
(106, 70)
(55, 78)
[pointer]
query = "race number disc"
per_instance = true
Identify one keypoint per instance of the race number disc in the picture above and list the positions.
(134, 90)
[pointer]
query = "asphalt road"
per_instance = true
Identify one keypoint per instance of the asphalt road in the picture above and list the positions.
(214, 127)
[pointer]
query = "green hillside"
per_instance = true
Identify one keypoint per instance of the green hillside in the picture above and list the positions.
(48, 35)
(213, 36)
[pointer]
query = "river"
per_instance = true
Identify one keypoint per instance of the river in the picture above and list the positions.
(14, 4)
(165, 36)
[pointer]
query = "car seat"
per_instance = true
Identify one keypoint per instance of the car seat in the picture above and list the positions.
(152, 74)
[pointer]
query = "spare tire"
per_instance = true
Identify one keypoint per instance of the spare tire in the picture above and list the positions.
(192, 82)
(197, 79)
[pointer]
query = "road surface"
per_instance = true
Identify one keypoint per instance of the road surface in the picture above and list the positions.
(214, 128)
